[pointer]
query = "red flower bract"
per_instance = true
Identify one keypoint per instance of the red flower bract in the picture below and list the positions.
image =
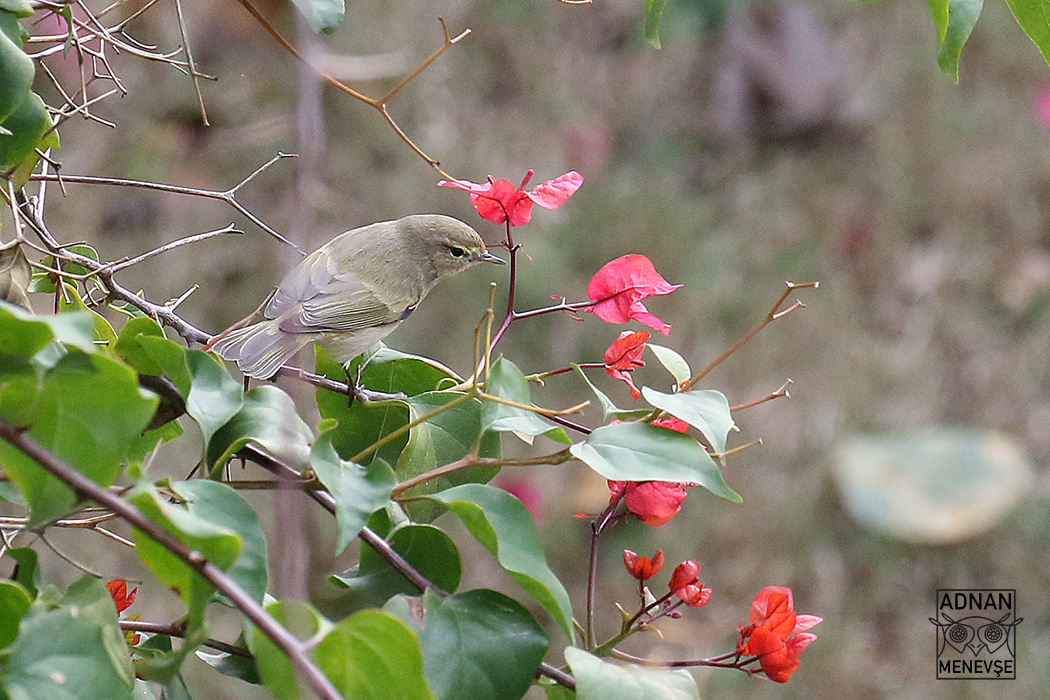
(776, 635)
(685, 584)
(621, 285)
(642, 568)
(676, 424)
(500, 201)
(653, 502)
(118, 590)
(624, 355)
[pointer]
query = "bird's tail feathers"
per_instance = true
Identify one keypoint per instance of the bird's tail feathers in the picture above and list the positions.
(260, 349)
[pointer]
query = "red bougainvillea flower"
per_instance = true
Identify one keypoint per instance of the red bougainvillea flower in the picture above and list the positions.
(676, 424)
(653, 502)
(499, 201)
(621, 285)
(685, 583)
(643, 568)
(776, 635)
(624, 356)
(118, 590)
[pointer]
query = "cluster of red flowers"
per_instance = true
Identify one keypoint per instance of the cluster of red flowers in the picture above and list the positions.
(685, 579)
(776, 635)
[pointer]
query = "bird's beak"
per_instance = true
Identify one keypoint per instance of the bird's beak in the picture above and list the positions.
(489, 257)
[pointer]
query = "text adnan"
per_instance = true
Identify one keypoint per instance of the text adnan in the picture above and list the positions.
(976, 600)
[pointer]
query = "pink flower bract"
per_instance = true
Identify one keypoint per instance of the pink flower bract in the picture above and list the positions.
(500, 201)
(621, 285)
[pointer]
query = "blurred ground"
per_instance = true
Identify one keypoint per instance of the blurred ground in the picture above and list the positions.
(801, 142)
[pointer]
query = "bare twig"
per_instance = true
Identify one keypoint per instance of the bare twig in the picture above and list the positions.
(378, 104)
(174, 244)
(190, 66)
(773, 315)
(178, 630)
(228, 196)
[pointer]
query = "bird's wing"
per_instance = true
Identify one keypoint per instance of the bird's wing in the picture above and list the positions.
(310, 276)
(341, 304)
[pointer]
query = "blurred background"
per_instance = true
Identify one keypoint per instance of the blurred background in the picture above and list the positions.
(766, 141)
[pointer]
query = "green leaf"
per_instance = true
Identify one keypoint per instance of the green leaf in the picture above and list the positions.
(276, 671)
(654, 9)
(87, 410)
(220, 545)
(428, 549)
(269, 418)
(27, 569)
(373, 655)
(1033, 16)
(220, 505)
(597, 679)
(443, 439)
(16, 75)
(72, 652)
(230, 664)
(322, 15)
(70, 301)
(480, 644)
(672, 362)
(362, 424)
(962, 16)
(19, 8)
(26, 124)
(503, 525)
(214, 395)
(706, 410)
(608, 407)
(642, 452)
(14, 604)
(507, 382)
(358, 491)
(939, 14)
(142, 345)
(21, 333)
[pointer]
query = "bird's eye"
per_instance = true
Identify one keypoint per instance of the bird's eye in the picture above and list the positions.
(456, 251)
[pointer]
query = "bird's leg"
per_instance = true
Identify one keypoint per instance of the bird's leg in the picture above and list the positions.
(356, 390)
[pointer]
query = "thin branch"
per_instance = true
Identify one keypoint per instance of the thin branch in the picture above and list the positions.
(174, 244)
(782, 392)
(294, 650)
(194, 76)
(228, 196)
(473, 460)
(380, 103)
(773, 315)
(178, 630)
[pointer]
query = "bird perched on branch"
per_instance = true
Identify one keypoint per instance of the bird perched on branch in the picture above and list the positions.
(353, 291)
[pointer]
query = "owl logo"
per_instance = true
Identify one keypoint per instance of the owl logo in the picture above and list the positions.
(976, 634)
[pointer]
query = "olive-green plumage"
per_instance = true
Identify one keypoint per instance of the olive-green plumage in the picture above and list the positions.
(354, 290)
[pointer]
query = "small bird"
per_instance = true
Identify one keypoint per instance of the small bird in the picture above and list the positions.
(353, 291)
